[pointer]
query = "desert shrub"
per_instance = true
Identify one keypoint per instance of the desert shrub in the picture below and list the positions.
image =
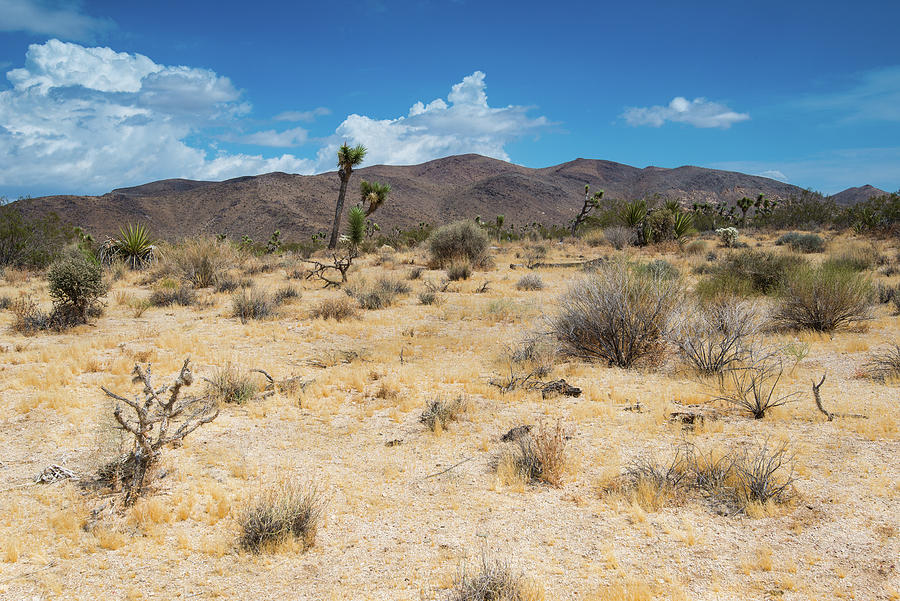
(230, 384)
(203, 262)
(752, 384)
(619, 236)
(823, 299)
(28, 318)
(711, 472)
(652, 483)
(134, 247)
(181, 295)
(855, 258)
(743, 273)
(75, 285)
(728, 236)
(617, 315)
(227, 283)
(885, 293)
(494, 582)
(460, 270)
(287, 511)
(28, 242)
(251, 303)
(534, 254)
(5, 302)
(337, 308)
(439, 413)
(659, 226)
(532, 281)
(884, 366)
(415, 273)
(764, 475)
(713, 336)
(459, 241)
(537, 457)
(659, 268)
(284, 294)
(378, 295)
(427, 297)
(805, 243)
(695, 247)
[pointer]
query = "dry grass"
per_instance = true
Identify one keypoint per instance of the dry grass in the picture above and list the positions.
(289, 512)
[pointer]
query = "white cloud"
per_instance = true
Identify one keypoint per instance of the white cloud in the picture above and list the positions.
(464, 123)
(277, 139)
(698, 112)
(49, 18)
(874, 95)
(774, 174)
(306, 116)
(91, 119)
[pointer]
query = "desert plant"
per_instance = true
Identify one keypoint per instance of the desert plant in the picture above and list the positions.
(27, 242)
(652, 483)
(336, 308)
(460, 270)
(854, 258)
(764, 475)
(75, 285)
(459, 241)
(373, 195)
(287, 511)
(633, 213)
(157, 422)
(659, 268)
(251, 303)
(532, 281)
(591, 203)
(378, 295)
(617, 315)
(884, 366)
(728, 236)
(495, 581)
(230, 384)
(536, 457)
(806, 243)
(415, 273)
(619, 236)
(713, 336)
(683, 225)
(134, 247)
(752, 385)
(438, 413)
(426, 297)
(743, 273)
(284, 294)
(182, 295)
(824, 299)
(347, 159)
(202, 262)
(28, 318)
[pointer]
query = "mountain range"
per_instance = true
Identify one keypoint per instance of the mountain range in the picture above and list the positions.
(439, 191)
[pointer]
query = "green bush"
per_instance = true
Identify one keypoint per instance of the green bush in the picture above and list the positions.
(457, 242)
(805, 243)
(31, 242)
(747, 272)
(855, 258)
(459, 271)
(824, 299)
(75, 285)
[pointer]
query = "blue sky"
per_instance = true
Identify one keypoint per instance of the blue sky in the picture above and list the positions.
(98, 95)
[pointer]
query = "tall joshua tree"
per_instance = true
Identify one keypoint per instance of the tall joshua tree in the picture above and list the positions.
(348, 158)
(373, 194)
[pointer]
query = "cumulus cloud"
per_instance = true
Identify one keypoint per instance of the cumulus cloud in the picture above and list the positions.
(91, 119)
(306, 116)
(296, 136)
(63, 19)
(698, 112)
(463, 123)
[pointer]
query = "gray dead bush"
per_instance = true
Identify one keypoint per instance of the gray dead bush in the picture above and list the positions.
(711, 337)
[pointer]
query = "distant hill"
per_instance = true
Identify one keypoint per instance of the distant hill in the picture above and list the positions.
(851, 196)
(456, 187)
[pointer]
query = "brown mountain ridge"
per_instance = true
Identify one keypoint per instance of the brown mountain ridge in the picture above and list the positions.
(439, 191)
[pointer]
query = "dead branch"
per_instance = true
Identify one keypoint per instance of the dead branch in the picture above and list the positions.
(828, 414)
(340, 264)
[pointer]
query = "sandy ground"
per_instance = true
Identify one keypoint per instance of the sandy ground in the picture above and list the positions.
(394, 530)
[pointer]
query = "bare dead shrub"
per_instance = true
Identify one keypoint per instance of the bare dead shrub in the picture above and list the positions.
(158, 421)
(440, 412)
(287, 511)
(532, 281)
(494, 581)
(764, 475)
(884, 366)
(619, 236)
(713, 336)
(752, 385)
(336, 308)
(617, 315)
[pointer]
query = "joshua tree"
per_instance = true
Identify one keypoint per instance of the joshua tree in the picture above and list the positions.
(374, 194)
(591, 202)
(348, 158)
(744, 205)
(499, 225)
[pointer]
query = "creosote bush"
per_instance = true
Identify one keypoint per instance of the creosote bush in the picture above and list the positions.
(884, 366)
(287, 512)
(439, 413)
(532, 281)
(617, 315)
(337, 308)
(749, 272)
(459, 241)
(805, 243)
(855, 258)
(824, 299)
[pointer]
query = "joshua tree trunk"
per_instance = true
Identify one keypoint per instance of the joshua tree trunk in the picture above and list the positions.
(339, 209)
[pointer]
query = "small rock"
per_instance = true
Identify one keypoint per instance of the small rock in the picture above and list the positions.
(515, 433)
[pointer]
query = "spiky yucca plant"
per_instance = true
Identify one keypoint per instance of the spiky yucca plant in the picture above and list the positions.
(356, 227)
(373, 194)
(133, 246)
(684, 225)
(633, 213)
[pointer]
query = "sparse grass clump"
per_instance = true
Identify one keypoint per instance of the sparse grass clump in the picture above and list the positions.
(532, 281)
(538, 457)
(460, 270)
(652, 484)
(884, 366)
(617, 315)
(462, 241)
(182, 295)
(337, 308)
(284, 294)
(805, 243)
(379, 295)
(824, 299)
(202, 262)
(230, 384)
(439, 413)
(855, 258)
(287, 512)
(427, 297)
(495, 581)
(251, 303)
